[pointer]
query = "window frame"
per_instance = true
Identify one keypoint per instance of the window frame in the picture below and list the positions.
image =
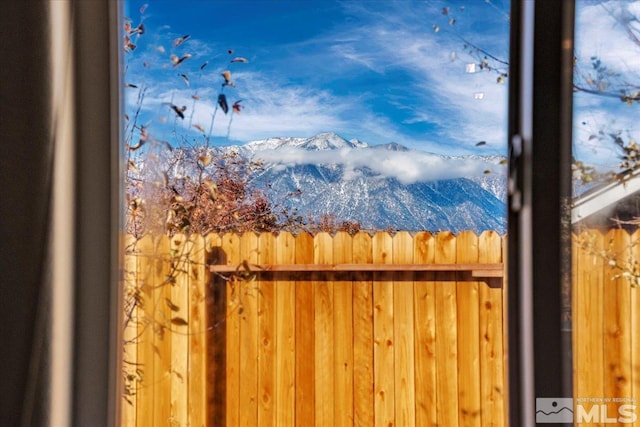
(96, 358)
(539, 261)
(540, 115)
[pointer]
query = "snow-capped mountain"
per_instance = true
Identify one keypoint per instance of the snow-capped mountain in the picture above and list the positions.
(382, 186)
(322, 141)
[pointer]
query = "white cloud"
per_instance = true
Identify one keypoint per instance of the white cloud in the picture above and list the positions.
(406, 166)
(350, 53)
(443, 93)
(592, 128)
(601, 32)
(429, 99)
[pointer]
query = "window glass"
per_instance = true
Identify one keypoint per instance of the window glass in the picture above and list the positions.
(605, 212)
(267, 140)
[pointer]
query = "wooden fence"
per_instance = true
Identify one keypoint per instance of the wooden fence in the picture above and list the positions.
(283, 330)
(606, 321)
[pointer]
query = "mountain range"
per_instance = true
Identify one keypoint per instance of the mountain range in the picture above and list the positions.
(385, 186)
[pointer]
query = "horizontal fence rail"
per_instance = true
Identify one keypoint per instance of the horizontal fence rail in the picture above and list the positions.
(315, 330)
(476, 270)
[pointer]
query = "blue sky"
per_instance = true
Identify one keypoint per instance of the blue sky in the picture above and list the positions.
(606, 30)
(378, 71)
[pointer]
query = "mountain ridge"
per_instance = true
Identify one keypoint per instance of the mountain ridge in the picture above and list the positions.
(328, 174)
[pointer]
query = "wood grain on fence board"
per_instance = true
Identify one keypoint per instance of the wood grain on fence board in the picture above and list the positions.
(617, 342)
(197, 329)
(468, 335)
(180, 340)
(325, 347)
(403, 331)
(161, 341)
(321, 347)
(235, 306)
(285, 334)
(491, 338)
(363, 344)
(384, 383)
(446, 333)
(249, 250)
(305, 338)
(588, 319)
(635, 326)
(324, 333)
(145, 356)
(343, 334)
(425, 334)
(504, 324)
(217, 310)
(577, 272)
(266, 342)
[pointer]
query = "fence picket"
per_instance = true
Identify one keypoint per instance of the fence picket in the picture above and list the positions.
(161, 342)
(343, 333)
(446, 332)
(588, 320)
(504, 343)
(230, 255)
(363, 345)
(217, 311)
(249, 399)
(635, 326)
(179, 300)
(197, 332)
(425, 334)
(324, 338)
(403, 320)
(145, 355)
(383, 333)
(305, 338)
(574, 286)
(266, 342)
(492, 369)
(617, 338)
(285, 334)
(468, 335)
